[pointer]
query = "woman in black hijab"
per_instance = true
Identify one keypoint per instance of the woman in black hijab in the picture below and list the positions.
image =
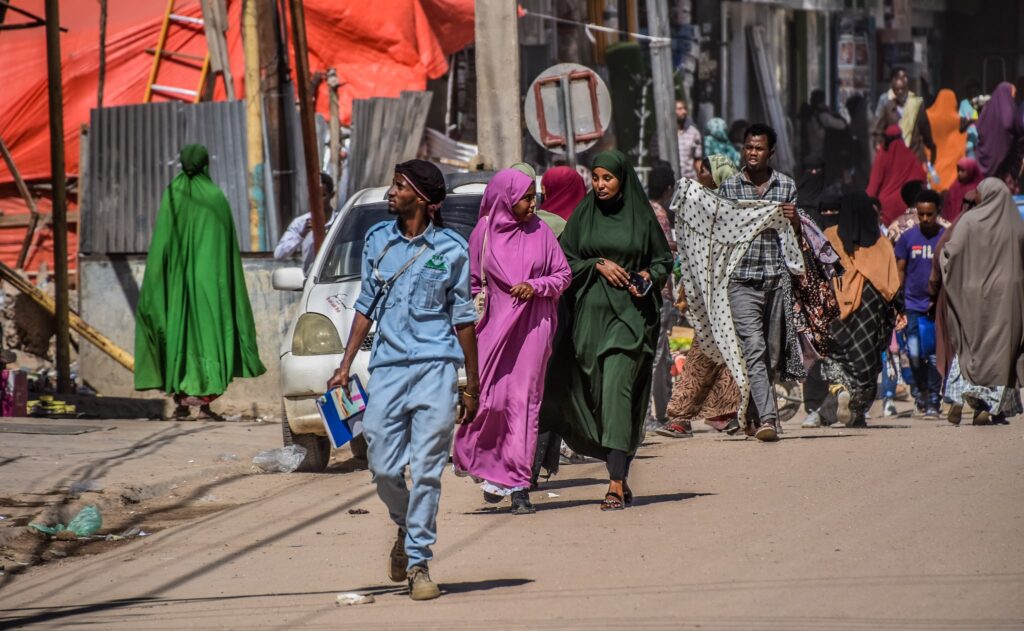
(811, 187)
(868, 290)
(858, 223)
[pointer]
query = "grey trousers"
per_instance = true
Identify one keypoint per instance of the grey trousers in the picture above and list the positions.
(755, 305)
(661, 383)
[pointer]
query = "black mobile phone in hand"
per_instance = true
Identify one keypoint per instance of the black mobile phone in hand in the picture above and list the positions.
(641, 284)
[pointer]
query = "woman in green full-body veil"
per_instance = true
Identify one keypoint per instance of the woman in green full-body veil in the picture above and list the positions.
(604, 381)
(194, 330)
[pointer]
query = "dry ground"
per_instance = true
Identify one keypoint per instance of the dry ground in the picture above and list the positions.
(910, 524)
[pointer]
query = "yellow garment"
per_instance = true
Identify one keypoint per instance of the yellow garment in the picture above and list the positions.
(944, 118)
(908, 121)
(876, 264)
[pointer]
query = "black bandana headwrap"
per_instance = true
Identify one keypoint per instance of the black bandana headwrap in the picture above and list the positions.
(428, 182)
(425, 178)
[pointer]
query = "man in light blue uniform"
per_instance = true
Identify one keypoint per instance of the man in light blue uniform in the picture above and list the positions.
(416, 287)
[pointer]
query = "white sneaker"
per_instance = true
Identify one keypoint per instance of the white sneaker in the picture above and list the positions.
(889, 408)
(843, 413)
(813, 419)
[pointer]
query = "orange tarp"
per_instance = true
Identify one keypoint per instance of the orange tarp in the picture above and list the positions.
(378, 48)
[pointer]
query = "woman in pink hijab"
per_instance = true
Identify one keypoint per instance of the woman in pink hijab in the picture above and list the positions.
(563, 190)
(516, 259)
(968, 176)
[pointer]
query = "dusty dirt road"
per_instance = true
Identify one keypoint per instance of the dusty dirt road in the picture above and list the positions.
(910, 525)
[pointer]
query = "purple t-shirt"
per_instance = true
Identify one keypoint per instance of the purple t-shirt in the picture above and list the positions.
(917, 250)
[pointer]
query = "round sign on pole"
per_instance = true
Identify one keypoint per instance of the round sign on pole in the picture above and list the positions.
(568, 91)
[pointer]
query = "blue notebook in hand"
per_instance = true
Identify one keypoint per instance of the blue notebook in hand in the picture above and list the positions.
(342, 412)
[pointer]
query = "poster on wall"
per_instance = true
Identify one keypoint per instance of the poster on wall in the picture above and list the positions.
(854, 34)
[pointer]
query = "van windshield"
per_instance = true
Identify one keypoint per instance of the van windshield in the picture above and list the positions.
(344, 258)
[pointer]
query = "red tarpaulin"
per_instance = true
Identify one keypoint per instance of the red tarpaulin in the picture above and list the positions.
(378, 49)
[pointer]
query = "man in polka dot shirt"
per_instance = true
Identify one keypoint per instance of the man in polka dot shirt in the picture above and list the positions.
(754, 296)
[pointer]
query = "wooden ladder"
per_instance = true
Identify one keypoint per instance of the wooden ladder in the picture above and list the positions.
(201, 63)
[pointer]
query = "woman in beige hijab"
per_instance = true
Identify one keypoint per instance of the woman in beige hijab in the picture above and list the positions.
(983, 275)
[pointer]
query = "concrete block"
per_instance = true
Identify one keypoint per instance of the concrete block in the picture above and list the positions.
(109, 293)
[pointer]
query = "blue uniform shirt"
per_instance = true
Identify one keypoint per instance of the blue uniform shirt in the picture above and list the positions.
(415, 319)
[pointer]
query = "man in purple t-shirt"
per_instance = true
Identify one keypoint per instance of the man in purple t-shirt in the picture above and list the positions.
(914, 252)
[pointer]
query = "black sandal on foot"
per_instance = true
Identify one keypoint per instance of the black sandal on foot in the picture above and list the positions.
(612, 501)
(627, 496)
(521, 504)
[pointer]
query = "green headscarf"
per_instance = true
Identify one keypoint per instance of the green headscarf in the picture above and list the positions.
(195, 160)
(716, 141)
(194, 328)
(609, 329)
(630, 214)
(525, 168)
(722, 168)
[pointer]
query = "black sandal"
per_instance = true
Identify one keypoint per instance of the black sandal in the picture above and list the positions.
(612, 501)
(627, 496)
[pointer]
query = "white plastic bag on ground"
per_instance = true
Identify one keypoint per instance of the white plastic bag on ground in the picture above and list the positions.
(283, 459)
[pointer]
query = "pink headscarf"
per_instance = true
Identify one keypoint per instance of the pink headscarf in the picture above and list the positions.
(953, 205)
(513, 249)
(564, 189)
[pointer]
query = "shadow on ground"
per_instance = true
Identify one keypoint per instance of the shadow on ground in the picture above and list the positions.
(645, 500)
(568, 483)
(36, 615)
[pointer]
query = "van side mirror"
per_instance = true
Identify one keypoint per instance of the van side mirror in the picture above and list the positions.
(288, 279)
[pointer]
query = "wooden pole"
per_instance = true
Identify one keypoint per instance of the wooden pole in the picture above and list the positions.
(274, 79)
(253, 119)
(215, 24)
(33, 221)
(90, 334)
(335, 126)
(309, 140)
(57, 175)
(103, 54)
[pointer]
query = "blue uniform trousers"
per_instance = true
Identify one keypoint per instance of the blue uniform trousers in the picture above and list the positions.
(409, 422)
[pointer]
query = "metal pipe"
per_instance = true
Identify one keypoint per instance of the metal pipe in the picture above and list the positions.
(570, 127)
(60, 210)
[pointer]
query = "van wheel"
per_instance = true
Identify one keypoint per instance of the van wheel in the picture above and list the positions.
(318, 452)
(318, 448)
(358, 447)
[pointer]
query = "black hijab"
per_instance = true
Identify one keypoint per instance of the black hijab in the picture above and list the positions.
(832, 203)
(858, 222)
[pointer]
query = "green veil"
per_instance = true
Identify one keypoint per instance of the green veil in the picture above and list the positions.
(194, 329)
(608, 322)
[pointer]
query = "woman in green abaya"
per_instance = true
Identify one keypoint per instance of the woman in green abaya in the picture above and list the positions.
(194, 329)
(612, 240)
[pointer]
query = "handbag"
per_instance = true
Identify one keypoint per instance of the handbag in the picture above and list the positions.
(480, 300)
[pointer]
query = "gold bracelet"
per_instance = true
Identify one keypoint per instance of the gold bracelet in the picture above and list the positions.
(471, 396)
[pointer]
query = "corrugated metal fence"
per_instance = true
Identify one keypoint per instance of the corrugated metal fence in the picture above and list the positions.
(133, 156)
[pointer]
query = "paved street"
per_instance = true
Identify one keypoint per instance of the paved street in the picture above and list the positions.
(914, 525)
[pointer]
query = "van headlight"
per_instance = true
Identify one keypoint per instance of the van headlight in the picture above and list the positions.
(315, 335)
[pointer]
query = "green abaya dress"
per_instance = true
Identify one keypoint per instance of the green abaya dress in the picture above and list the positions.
(602, 365)
(194, 329)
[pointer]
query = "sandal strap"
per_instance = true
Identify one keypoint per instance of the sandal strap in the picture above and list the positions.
(616, 498)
